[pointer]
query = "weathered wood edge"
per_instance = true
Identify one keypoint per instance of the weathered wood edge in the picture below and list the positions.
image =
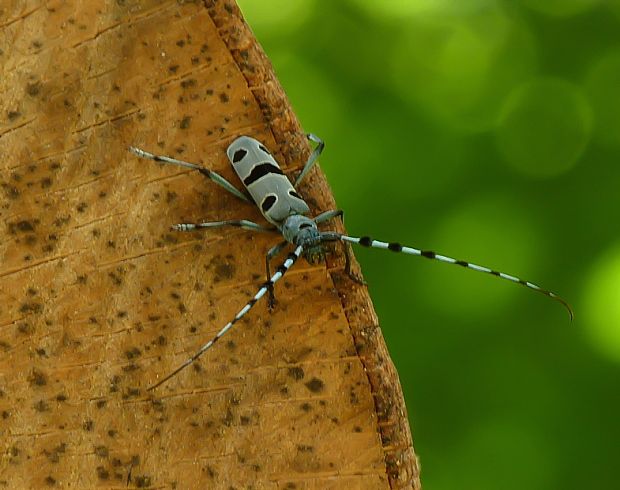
(401, 462)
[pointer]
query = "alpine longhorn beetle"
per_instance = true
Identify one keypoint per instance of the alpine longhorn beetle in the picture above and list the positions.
(281, 205)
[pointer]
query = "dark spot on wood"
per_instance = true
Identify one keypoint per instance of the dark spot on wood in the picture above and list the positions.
(41, 406)
(224, 98)
(188, 83)
(296, 372)
(142, 481)
(170, 196)
(306, 407)
(12, 115)
(31, 307)
(24, 226)
(81, 207)
(101, 451)
(37, 378)
(173, 68)
(25, 328)
(185, 122)
(130, 367)
(33, 89)
(133, 353)
(100, 403)
(102, 473)
(302, 448)
(115, 278)
(315, 385)
(61, 397)
(50, 481)
(88, 425)
(9, 191)
(224, 271)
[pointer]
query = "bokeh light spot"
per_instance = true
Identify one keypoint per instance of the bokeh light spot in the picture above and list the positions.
(602, 304)
(460, 69)
(545, 127)
(603, 87)
(398, 9)
(276, 16)
(492, 232)
(315, 99)
(560, 8)
(495, 447)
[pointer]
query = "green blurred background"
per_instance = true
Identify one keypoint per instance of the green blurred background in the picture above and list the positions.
(487, 130)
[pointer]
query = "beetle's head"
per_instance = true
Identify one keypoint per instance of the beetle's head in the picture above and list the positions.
(301, 230)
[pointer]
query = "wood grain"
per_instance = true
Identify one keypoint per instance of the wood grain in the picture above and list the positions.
(98, 298)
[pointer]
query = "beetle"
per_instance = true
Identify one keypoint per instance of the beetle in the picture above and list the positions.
(269, 188)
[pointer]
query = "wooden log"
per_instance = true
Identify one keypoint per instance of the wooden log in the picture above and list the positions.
(98, 298)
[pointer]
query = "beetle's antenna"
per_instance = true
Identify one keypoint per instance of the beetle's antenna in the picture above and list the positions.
(286, 265)
(366, 241)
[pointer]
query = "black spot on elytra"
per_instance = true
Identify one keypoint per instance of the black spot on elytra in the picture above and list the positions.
(239, 155)
(268, 202)
(260, 170)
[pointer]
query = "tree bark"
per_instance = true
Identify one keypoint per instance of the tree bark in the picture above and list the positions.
(98, 298)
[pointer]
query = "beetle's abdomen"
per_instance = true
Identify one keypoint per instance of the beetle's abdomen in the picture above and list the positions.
(269, 187)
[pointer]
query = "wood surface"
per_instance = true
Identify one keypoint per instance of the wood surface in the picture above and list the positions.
(99, 299)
